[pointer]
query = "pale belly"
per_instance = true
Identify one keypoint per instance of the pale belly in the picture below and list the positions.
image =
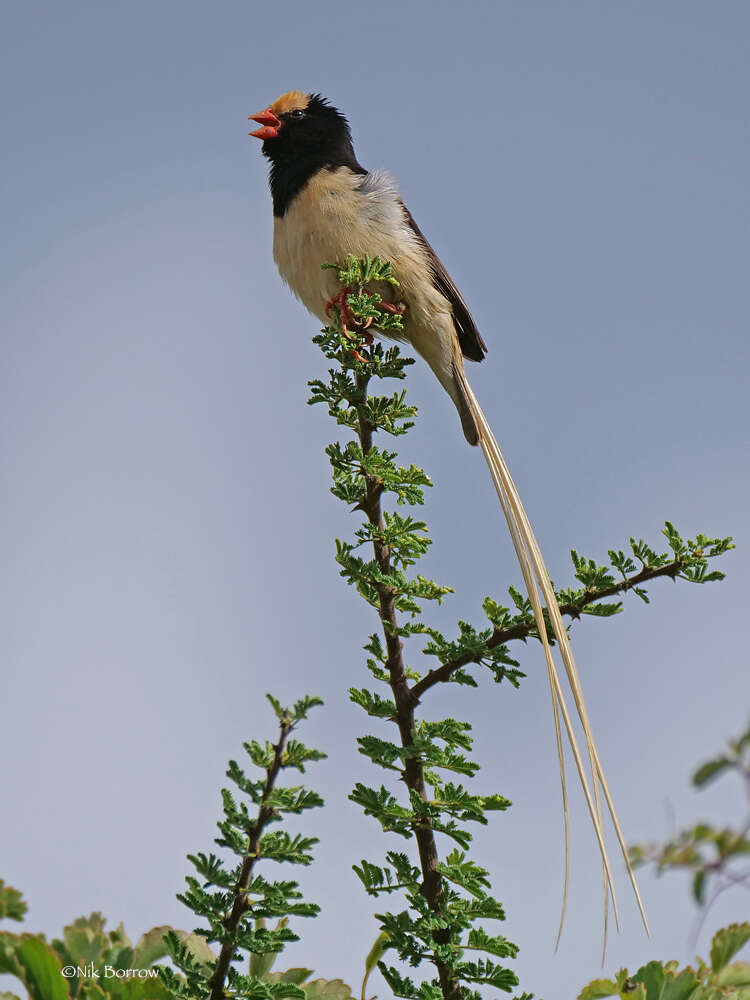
(331, 218)
(335, 215)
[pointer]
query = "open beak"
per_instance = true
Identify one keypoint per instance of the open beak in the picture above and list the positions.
(271, 125)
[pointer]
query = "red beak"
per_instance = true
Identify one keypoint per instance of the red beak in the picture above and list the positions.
(271, 125)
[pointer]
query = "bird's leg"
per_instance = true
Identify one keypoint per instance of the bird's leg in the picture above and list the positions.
(367, 337)
(398, 308)
(341, 301)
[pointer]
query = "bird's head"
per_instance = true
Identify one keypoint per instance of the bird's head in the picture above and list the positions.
(298, 125)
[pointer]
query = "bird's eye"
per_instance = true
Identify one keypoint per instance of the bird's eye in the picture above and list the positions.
(298, 113)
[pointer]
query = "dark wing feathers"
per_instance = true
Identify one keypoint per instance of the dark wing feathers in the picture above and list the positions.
(472, 345)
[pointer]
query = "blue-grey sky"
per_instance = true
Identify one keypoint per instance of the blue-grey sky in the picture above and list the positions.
(167, 530)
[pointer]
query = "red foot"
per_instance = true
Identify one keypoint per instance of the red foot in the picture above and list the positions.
(399, 308)
(341, 301)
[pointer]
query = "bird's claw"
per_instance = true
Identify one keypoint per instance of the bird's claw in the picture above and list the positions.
(346, 316)
(341, 301)
(398, 308)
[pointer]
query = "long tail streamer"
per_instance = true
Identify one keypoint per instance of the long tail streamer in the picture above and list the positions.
(537, 578)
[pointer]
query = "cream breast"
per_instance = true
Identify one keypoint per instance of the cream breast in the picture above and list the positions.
(340, 212)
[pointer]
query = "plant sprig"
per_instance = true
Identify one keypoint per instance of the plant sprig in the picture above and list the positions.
(236, 903)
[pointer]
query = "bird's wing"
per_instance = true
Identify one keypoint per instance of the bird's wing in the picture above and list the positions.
(472, 345)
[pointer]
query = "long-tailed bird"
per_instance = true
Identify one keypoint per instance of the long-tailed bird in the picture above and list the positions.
(327, 205)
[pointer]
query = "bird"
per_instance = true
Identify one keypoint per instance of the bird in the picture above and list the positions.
(326, 205)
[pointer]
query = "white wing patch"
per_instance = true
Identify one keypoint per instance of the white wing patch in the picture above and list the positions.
(382, 201)
(379, 182)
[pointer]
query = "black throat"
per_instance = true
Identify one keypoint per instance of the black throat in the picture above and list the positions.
(290, 173)
(288, 177)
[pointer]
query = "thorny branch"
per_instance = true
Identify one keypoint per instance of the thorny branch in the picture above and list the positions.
(432, 885)
(522, 630)
(265, 814)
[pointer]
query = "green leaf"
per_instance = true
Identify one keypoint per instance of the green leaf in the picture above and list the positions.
(726, 943)
(681, 986)
(261, 963)
(198, 947)
(328, 989)
(85, 939)
(381, 946)
(90, 991)
(651, 976)
(8, 945)
(296, 976)
(736, 974)
(150, 947)
(373, 704)
(661, 982)
(303, 705)
(699, 886)
(485, 971)
(710, 770)
(135, 989)
(42, 972)
(119, 957)
(597, 989)
(12, 904)
(282, 714)
(497, 945)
